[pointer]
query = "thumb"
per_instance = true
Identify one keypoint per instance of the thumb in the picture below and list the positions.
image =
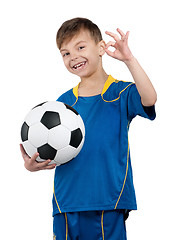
(34, 157)
(110, 44)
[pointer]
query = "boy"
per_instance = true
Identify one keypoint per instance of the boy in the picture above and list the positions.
(94, 192)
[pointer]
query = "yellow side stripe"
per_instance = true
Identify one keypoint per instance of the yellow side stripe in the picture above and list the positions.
(54, 236)
(102, 224)
(127, 165)
(56, 201)
(66, 226)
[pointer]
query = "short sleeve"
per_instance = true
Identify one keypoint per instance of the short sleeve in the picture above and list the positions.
(67, 97)
(135, 106)
(61, 99)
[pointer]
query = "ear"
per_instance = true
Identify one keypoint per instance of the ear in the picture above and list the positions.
(102, 46)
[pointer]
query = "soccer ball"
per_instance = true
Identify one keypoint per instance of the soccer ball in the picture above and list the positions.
(54, 130)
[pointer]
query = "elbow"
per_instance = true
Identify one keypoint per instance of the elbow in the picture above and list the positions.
(154, 99)
(150, 101)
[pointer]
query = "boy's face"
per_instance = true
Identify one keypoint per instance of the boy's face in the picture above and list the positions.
(81, 55)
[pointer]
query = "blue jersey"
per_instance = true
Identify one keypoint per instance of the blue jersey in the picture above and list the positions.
(100, 177)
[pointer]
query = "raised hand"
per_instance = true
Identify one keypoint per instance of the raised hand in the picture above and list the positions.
(32, 165)
(120, 43)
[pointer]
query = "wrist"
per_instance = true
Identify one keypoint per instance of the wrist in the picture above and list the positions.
(131, 60)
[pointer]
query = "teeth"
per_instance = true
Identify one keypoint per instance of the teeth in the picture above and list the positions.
(79, 65)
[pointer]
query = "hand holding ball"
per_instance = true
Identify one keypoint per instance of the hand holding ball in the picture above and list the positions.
(54, 130)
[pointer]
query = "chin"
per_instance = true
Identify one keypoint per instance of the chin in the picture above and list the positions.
(81, 74)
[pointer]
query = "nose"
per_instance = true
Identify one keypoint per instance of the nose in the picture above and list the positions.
(74, 57)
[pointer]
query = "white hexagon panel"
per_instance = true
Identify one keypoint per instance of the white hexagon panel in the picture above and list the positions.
(65, 154)
(34, 115)
(59, 137)
(38, 135)
(31, 150)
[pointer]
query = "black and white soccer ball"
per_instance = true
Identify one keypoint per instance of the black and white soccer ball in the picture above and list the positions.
(54, 130)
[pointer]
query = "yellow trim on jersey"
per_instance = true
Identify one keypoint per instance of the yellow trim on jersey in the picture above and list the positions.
(119, 94)
(75, 102)
(75, 90)
(127, 165)
(56, 201)
(54, 236)
(107, 84)
(66, 226)
(102, 224)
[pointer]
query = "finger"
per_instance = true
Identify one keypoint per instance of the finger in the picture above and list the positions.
(110, 44)
(110, 53)
(43, 165)
(23, 152)
(115, 36)
(52, 166)
(22, 149)
(127, 35)
(121, 33)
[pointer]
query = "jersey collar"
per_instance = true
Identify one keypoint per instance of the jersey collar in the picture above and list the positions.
(107, 84)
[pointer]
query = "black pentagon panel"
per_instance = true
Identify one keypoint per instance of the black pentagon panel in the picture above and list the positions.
(39, 105)
(76, 138)
(24, 132)
(51, 119)
(70, 108)
(47, 152)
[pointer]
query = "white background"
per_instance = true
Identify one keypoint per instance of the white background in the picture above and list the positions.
(32, 71)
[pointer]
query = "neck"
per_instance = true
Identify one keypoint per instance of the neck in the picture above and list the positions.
(94, 79)
(93, 84)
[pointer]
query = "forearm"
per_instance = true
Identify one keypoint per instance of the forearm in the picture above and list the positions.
(143, 83)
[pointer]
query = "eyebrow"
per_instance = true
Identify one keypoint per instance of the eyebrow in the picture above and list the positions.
(62, 50)
(80, 42)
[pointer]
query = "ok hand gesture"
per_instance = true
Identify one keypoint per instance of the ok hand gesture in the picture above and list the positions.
(122, 51)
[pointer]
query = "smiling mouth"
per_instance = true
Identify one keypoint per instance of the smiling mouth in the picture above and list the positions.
(79, 65)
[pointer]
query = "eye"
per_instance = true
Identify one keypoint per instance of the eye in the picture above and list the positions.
(81, 47)
(66, 54)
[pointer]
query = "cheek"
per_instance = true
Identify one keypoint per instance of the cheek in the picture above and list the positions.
(94, 60)
(66, 63)
(94, 56)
